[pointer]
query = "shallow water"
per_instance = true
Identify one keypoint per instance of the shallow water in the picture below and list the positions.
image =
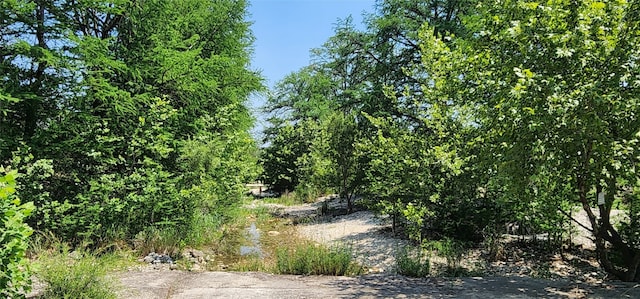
(254, 238)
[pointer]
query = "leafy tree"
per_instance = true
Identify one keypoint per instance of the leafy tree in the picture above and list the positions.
(120, 96)
(357, 73)
(341, 151)
(282, 158)
(553, 87)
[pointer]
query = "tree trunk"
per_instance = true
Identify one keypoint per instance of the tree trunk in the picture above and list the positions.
(604, 233)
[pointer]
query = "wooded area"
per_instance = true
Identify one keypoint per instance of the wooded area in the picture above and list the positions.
(456, 118)
(126, 116)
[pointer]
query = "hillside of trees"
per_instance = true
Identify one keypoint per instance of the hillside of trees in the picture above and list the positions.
(457, 118)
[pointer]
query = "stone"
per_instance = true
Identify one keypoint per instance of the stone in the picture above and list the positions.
(197, 253)
(148, 259)
(165, 259)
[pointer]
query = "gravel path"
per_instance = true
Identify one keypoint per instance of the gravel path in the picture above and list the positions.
(363, 233)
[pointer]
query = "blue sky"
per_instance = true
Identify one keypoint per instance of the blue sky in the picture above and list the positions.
(286, 30)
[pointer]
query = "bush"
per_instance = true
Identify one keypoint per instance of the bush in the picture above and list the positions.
(311, 259)
(116, 205)
(15, 277)
(453, 251)
(412, 262)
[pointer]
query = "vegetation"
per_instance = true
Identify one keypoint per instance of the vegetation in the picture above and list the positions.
(119, 117)
(15, 273)
(75, 275)
(313, 259)
(412, 262)
(124, 122)
(466, 117)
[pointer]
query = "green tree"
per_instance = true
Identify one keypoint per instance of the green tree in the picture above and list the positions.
(341, 152)
(553, 86)
(121, 96)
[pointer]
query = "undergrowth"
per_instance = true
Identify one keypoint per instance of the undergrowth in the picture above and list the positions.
(413, 262)
(75, 274)
(313, 259)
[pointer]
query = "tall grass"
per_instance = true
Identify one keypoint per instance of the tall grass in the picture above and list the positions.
(167, 241)
(76, 275)
(412, 262)
(311, 259)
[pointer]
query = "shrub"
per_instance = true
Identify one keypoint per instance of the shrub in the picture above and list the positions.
(412, 262)
(453, 251)
(14, 267)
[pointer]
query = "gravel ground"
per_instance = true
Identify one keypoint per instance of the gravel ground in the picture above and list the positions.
(364, 233)
(375, 247)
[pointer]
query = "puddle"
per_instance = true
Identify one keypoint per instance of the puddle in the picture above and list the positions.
(254, 238)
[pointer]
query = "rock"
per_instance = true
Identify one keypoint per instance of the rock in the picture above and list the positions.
(193, 255)
(173, 267)
(148, 259)
(165, 259)
(197, 253)
(75, 255)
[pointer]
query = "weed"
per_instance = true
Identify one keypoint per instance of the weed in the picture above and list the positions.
(250, 264)
(412, 262)
(160, 240)
(542, 270)
(75, 275)
(204, 229)
(312, 259)
(289, 199)
(453, 251)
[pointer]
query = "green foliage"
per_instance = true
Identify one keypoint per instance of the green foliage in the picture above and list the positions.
(287, 154)
(74, 275)
(312, 259)
(548, 87)
(453, 251)
(412, 262)
(15, 274)
(126, 116)
(159, 240)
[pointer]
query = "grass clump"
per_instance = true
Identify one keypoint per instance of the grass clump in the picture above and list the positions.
(412, 262)
(311, 259)
(74, 275)
(454, 252)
